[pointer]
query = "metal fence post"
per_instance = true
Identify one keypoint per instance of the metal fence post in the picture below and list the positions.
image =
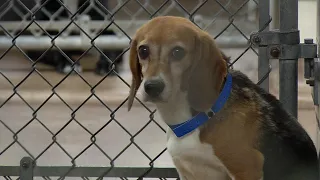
(316, 87)
(26, 169)
(263, 64)
(288, 68)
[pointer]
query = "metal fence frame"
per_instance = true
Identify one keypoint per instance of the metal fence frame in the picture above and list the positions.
(283, 44)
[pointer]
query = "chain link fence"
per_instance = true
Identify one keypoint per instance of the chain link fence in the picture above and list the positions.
(73, 124)
(123, 17)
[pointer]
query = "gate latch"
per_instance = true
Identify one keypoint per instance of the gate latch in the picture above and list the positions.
(284, 45)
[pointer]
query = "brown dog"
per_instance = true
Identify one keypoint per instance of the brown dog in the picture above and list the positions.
(222, 125)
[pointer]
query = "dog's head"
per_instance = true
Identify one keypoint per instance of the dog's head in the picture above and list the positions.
(169, 56)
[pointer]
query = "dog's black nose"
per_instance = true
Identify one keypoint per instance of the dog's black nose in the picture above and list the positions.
(153, 87)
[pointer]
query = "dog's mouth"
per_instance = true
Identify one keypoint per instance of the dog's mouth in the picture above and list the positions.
(152, 99)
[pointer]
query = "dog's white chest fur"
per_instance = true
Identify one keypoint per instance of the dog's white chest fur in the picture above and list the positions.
(195, 160)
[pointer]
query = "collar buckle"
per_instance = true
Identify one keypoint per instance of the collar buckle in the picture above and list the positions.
(210, 113)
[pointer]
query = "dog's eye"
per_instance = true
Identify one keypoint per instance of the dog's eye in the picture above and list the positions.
(144, 52)
(178, 53)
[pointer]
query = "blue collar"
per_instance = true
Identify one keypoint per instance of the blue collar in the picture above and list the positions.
(190, 125)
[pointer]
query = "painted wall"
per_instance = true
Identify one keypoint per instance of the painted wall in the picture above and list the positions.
(307, 19)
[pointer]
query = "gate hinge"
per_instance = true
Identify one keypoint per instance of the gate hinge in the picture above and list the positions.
(266, 38)
(284, 45)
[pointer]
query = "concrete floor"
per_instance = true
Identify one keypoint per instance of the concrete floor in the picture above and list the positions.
(112, 139)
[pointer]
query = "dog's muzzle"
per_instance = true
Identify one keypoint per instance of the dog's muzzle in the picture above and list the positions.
(154, 87)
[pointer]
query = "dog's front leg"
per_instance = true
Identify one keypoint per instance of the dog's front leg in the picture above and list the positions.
(180, 169)
(181, 177)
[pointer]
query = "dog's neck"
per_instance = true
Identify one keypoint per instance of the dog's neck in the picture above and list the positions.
(176, 110)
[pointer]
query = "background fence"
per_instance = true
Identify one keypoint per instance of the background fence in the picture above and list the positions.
(63, 86)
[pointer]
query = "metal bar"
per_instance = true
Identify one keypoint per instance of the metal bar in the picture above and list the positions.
(275, 37)
(288, 71)
(92, 171)
(26, 169)
(316, 87)
(70, 42)
(263, 64)
(61, 24)
(318, 25)
(104, 41)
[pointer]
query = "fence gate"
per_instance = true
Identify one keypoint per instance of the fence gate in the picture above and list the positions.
(63, 125)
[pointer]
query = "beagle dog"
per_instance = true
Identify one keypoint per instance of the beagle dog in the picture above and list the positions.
(221, 125)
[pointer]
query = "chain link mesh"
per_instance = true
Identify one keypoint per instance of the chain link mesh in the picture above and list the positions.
(218, 17)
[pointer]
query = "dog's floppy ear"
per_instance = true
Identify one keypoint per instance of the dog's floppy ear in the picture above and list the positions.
(135, 68)
(207, 74)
